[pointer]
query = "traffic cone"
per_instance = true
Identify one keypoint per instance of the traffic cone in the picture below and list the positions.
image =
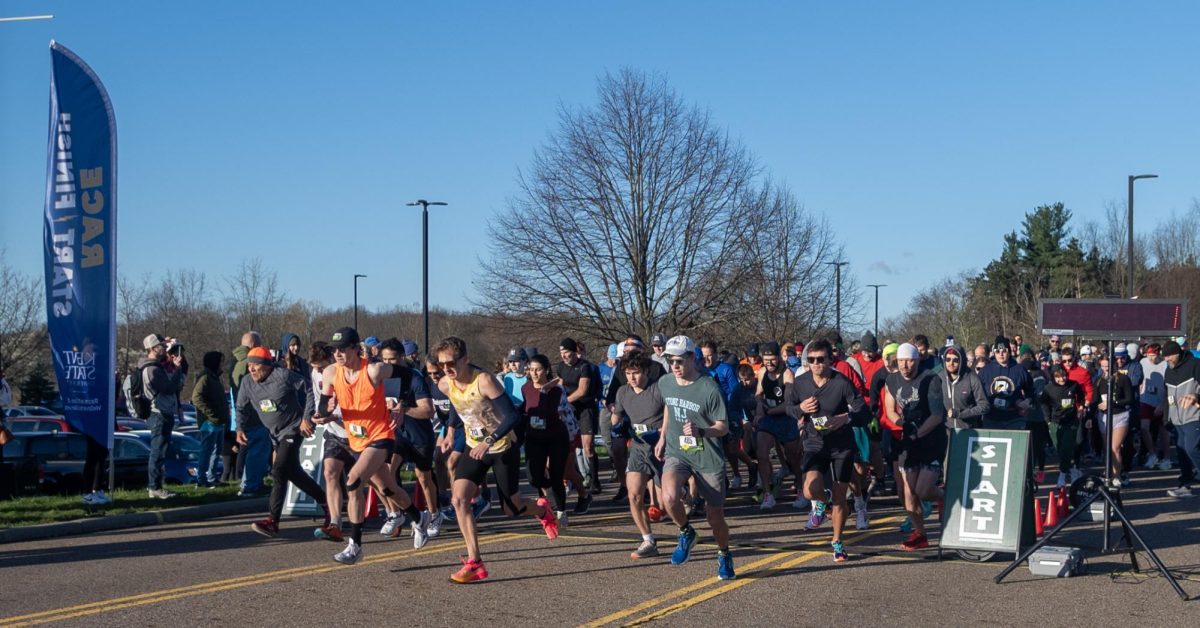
(418, 496)
(1037, 516)
(1064, 502)
(1051, 513)
(371, 504)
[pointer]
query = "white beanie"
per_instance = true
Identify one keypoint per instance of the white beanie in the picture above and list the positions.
(908, 351)
(1132, 348)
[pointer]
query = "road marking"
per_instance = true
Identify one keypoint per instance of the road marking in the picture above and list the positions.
(780, 555)
(155, 597)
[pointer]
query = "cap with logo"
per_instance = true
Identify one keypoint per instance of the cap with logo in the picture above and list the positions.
(658, 340)
(153, 340)
(679, 346)
(344, 338)
(516, 354)
(614, 351)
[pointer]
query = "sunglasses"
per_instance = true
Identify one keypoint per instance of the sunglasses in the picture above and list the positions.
(951, 360)
(816, 359)
(677, 362)
(447, 365)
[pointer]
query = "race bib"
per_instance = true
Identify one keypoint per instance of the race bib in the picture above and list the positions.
(638, 428)
(690, 443)
(537, 422)
(1001, 403)
(1065, 403)
(1170, 401)
(356, 430)
(1103, 398)
(820, 423)
(266, 405)
(476, 433)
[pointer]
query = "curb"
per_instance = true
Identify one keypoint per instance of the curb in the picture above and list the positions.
(133, 520)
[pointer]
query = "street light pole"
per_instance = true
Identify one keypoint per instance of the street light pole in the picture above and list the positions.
(877, 286)
(424, 204)
(1129, 220)
(356, 301)
(837, 270)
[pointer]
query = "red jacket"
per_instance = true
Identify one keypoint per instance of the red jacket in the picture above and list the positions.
(1080, 376)
(869, 368)
(844, 368)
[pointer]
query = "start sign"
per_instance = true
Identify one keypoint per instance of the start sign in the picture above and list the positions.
(312, 453)
(987, 499)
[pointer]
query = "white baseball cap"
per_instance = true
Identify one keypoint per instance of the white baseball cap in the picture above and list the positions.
(680, 345)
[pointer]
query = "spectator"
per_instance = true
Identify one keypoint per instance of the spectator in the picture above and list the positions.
(162, 391)
(291, 357)
(5, 394)
(253, 442)
(212, 413)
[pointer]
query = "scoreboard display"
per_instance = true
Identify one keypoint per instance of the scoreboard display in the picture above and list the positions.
(1112, 317)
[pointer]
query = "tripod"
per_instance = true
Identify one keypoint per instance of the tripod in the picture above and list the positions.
(1112, 500)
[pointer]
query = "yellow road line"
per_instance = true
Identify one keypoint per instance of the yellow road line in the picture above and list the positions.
(154, 597)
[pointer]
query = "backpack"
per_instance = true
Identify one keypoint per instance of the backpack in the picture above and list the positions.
(135, 394)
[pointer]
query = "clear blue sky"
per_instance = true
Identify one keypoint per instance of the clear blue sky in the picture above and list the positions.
(922, 130)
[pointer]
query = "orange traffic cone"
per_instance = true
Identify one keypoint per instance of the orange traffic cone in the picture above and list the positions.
(418, 496)
(1051, 513)
(1037, 516)
(1064, 503)
(370, 504)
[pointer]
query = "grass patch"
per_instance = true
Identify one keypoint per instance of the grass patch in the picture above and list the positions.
(27, 511)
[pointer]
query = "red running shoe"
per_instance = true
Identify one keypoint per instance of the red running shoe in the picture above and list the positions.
(655, 513)
(266, 527)
(548, 520)
(472, 571)
(915, 541)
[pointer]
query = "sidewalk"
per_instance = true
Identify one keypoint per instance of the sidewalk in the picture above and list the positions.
(134, 520)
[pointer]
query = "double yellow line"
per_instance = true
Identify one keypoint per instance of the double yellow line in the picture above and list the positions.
(750, 572)
(165, 595)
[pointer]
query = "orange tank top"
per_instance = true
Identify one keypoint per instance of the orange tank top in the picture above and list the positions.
(364, 409)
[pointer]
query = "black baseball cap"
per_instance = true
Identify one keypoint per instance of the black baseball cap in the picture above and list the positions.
(344, 338)
(770, 348)
(658, 340)
(517, 354)
(752, 350)
(569, 344)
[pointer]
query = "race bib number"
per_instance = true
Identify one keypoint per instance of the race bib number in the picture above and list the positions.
(1001, 403)
(537, 422)
(476, 433)
(1170, 401)
(266, 405)
(638, 428)
(690, 443)
(1065, 403)
(356, 430)
(820, 423)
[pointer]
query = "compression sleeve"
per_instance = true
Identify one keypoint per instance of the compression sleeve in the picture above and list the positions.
(509, 417)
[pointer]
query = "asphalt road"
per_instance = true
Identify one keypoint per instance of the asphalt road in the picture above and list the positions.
(218, 572)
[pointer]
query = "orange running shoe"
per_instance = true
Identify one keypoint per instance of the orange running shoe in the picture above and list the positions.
(655, 513)
(472, 571)
(548, 520)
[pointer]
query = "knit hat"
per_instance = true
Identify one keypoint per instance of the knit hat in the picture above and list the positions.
(260, 355)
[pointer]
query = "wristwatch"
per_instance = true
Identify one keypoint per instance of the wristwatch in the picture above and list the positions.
(489, 441)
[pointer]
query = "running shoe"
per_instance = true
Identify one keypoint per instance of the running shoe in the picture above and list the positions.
(860, 514)
(87, 499)
(393, 525)
(1164, 465)
(907, 526)
(1062, 480)
(480, 508)
(472, 571)
(420, 530)
(1180, 492)
(645, 550)
(768, 502)
(915, 541)
(736, 482)
(160, 493)
(267, 527)
(777, 483)
(621, 495)
(655, 513)
(687, 540)
(801, 503)
(561, 515)
(1151, 462)
(102, 499)
(548, 520)
(350, 555)
(757, 497)
(583, 505)
(817, 517)
(449, 514)
(329, 532)
(839, 552)
(434, 529)
(753, 482)
(725, 566)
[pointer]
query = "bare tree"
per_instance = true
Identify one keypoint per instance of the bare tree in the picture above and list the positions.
(252, 299)
(22, 322)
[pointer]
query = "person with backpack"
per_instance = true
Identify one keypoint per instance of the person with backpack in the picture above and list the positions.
(154, 396)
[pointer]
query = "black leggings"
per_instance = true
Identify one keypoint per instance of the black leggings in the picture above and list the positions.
(555, 449)
(286, 468)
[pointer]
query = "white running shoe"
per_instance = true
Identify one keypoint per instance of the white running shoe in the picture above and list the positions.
(768, 502)
(88, 499)
(393, 525)
(350, 555)
(420, 530)
(435, 525)
(100, 499)
(1164, 465)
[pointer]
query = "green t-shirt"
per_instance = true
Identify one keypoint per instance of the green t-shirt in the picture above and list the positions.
(701, 403)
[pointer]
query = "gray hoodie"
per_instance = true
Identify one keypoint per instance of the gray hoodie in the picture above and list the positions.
(161, 388)
(280, 401)
(965, 394)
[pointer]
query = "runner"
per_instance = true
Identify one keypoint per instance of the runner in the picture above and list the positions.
(283, 401)
(411, 406)
(576, 376)
(488, 417)
(827, 404)
(658, 342)
(1181, 406)
(642, 402)
(1119, 404)
(1008, 388)
(548, 440)
(913, 400)
(773, 426)
(1154, 434)
(727, 379)
(691, 447)
(336, 455)
(357, 388)
(743, 410)
(1062, 404)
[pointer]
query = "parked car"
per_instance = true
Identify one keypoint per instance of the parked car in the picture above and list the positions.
(59, 458)
(37, 411)
(130, 424)
(38, 424)
(183, 454)
(20, 473)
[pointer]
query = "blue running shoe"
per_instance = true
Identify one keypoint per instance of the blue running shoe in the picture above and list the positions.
(480, 507)
(687, 540)
(450, 514)
(839, 552)
(725, 566)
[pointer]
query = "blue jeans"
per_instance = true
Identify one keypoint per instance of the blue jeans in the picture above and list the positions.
(160, 426)
(258, 458)
(1187, 441)
(212, 442)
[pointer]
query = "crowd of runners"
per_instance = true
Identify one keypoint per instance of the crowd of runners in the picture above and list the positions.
(825, 425)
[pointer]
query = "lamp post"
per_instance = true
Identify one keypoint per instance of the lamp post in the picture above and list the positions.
(356, 300)
(424, 204)
(877, 286)
(1129, 220)
(837, 269)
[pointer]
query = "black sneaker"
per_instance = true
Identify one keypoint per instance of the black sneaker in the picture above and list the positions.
(621, 495)
(584, 505)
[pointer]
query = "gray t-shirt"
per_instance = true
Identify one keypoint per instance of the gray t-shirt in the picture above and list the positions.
(701, 403)
(644, 409)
